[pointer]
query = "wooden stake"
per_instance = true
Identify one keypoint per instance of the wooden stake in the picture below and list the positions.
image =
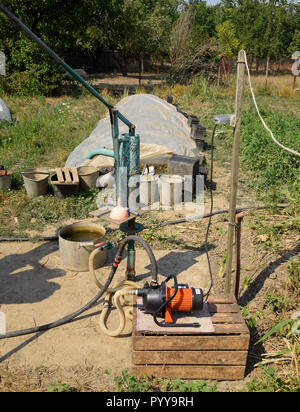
(238, 222)
(235, 166)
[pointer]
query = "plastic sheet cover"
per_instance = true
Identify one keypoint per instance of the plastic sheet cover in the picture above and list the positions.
(163, 132)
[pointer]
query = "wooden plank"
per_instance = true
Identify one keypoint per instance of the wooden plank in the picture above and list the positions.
(191, 372)
(223, 307)
(74, 174)
(191, 342)
(189, 357)
(68, 178)
(226, 318)
(59, 175)
(234, 328)
(226, 298)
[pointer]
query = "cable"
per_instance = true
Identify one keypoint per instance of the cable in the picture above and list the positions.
(216, 212)
(262, 120)
(28, 239)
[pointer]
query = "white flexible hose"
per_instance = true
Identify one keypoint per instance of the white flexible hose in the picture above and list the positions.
(123, 314)
(115, 294)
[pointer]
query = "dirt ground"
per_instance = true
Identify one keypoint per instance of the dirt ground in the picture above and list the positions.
(36, 289)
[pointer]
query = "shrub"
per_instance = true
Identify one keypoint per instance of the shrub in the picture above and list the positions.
(29, 71)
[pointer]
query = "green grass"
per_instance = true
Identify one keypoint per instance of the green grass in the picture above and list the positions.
(44, 131)
(42, 134)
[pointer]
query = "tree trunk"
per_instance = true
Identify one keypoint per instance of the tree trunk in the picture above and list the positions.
(257, 65)
(140, 69)
(267, 72)
(142, 63)
(123, 63)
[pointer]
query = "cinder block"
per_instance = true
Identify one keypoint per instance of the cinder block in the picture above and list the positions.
(200, 144)
(197, 131)
(193, 120)
(183, 165)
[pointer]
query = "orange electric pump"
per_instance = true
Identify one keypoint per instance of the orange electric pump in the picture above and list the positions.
(161, 300)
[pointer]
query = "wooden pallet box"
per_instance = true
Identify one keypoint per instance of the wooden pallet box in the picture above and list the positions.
(218, 355)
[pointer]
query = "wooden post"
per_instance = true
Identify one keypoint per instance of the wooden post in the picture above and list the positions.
(235, 166)
(238, 228)
(294, 83)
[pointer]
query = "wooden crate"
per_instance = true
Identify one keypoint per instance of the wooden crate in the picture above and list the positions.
(66, 176)
(219, 355)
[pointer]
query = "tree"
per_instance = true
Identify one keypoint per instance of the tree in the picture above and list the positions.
(29, 69)
(229, 44)
(295, 43)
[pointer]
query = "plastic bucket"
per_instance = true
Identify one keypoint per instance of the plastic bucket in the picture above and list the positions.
(76, 242)
(61, 191)
(36, 182)
(88, 176)
(170, 191)
(149, 192)
(5, 179)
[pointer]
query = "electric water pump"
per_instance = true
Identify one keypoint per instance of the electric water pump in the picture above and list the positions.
(161, 300)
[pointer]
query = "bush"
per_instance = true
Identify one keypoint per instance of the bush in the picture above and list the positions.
(29, 71)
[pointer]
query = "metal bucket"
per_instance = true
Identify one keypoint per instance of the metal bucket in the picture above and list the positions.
(5, 179)
(36, 182)
(76, 242)
(170, 191)
(88, 176)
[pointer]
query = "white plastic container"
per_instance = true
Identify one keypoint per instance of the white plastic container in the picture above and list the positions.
(170, 190)
(149, 192)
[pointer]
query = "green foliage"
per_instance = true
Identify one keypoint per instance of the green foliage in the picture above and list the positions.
(128, 382)
(59, 386)
(284, 327)
(293, 272)
(229, 43)
(28, 71)
(271, 383)
(250, 318)
(178, 385)
(270, 164)
(279, 303)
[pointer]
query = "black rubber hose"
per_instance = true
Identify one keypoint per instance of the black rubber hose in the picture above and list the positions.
(67, 318)
(78, 312)
(216, 212)
(28, 239)
(154, 269)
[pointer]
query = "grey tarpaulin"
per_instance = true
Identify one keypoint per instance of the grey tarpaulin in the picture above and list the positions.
(4, 112)
(163, 132)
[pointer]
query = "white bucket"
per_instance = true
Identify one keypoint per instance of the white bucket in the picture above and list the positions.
(149, 192)
(170, 190)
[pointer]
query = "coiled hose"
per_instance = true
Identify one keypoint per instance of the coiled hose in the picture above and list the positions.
(117, 294)
(92, 302)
